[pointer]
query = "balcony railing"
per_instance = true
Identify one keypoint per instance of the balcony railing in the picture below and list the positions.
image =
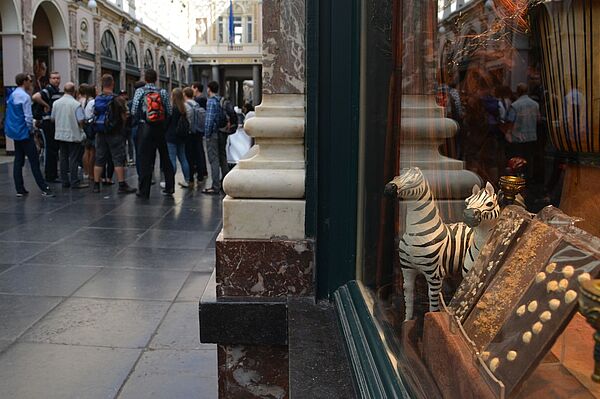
(235, 47)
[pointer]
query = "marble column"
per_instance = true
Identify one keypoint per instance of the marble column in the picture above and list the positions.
(262, 252)
(73, 34)
(123, 72)
(27, 22)
(97, 56)
(257, 90)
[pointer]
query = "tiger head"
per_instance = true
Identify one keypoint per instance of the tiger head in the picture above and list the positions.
(410, 185)
(481, 205)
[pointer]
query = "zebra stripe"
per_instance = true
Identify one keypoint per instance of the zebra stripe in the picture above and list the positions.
(428, 246)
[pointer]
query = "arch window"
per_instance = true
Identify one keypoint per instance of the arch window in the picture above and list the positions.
(131, 56)
(173, 71)
(182, 75)
(162, 67)
(109, 46)
(148, 60)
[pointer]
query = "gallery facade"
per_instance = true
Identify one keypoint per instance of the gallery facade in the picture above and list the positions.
(40, 36)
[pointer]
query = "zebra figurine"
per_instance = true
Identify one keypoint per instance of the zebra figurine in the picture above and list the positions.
(480, 215)
(428, 246)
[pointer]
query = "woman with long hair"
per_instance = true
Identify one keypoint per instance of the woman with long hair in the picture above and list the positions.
(177, 133)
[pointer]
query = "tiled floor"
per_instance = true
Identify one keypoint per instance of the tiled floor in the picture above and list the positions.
(99, 293)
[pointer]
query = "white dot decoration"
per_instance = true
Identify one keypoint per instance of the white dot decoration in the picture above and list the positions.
(527, 337)
(511, 356)
(554, 304)
(552, 286)
(563, 284)
(494, 363)
(537, 328)
(541, 276)
(551, 267)
(532, 307)
(521, 310)
(568, 271)
(584, 277)
(570, 296)
(545, 316)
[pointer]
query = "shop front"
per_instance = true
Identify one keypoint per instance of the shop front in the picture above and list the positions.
(476, 156)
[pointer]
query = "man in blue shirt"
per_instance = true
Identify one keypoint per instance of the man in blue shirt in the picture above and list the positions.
(18, 125)
(213, 138)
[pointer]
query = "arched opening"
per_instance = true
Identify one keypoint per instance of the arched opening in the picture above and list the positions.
(148, 60)
(174, 79)
(132, 70)
(182, 77)
(50, 43)
(162, 72)
(110, 57)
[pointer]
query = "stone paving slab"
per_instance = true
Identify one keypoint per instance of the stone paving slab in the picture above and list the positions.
(99, 293)
(49, 371)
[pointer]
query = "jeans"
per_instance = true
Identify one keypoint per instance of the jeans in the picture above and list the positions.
(51, 169)
(26, 148)
(212, 152)
(194, 150)
(177, 151)
(150, 139)
(135, 142)
(223, 154)
(69, 161)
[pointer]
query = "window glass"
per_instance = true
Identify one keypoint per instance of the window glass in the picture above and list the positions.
(221, 30)
(249, 29)
(238, 30)
(477, 116)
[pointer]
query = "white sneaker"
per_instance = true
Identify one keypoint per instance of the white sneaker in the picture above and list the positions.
(184, 184)
(163, 184)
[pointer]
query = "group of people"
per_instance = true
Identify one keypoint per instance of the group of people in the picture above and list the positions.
(103, 133)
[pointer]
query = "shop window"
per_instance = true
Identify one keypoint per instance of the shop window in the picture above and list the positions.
(131, 54)
(162, 67)
(480, 131)
(148, 60)
(109, 46)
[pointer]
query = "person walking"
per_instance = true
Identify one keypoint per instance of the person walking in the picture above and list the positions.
(88, 94)
(194, 149)
(151, 109)
(18, 125)
(46, 98)
(68, 117)
(178, 131)
(197, 89)
(110, 113)
(212, 136)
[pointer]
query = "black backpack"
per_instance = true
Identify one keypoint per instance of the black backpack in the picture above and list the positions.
(182, 130)
(228, 122)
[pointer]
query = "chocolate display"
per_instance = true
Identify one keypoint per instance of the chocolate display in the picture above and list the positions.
(544, 307)
(528, 257)
(511, 224)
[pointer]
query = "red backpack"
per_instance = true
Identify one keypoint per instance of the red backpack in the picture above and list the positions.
(153, 107)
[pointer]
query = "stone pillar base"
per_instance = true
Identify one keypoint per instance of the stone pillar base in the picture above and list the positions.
(264, 268)
(263, 218)
(253, 372)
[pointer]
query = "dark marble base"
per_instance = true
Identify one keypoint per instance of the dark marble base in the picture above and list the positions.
(242, 320)
(265, 268)
(253, 372)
